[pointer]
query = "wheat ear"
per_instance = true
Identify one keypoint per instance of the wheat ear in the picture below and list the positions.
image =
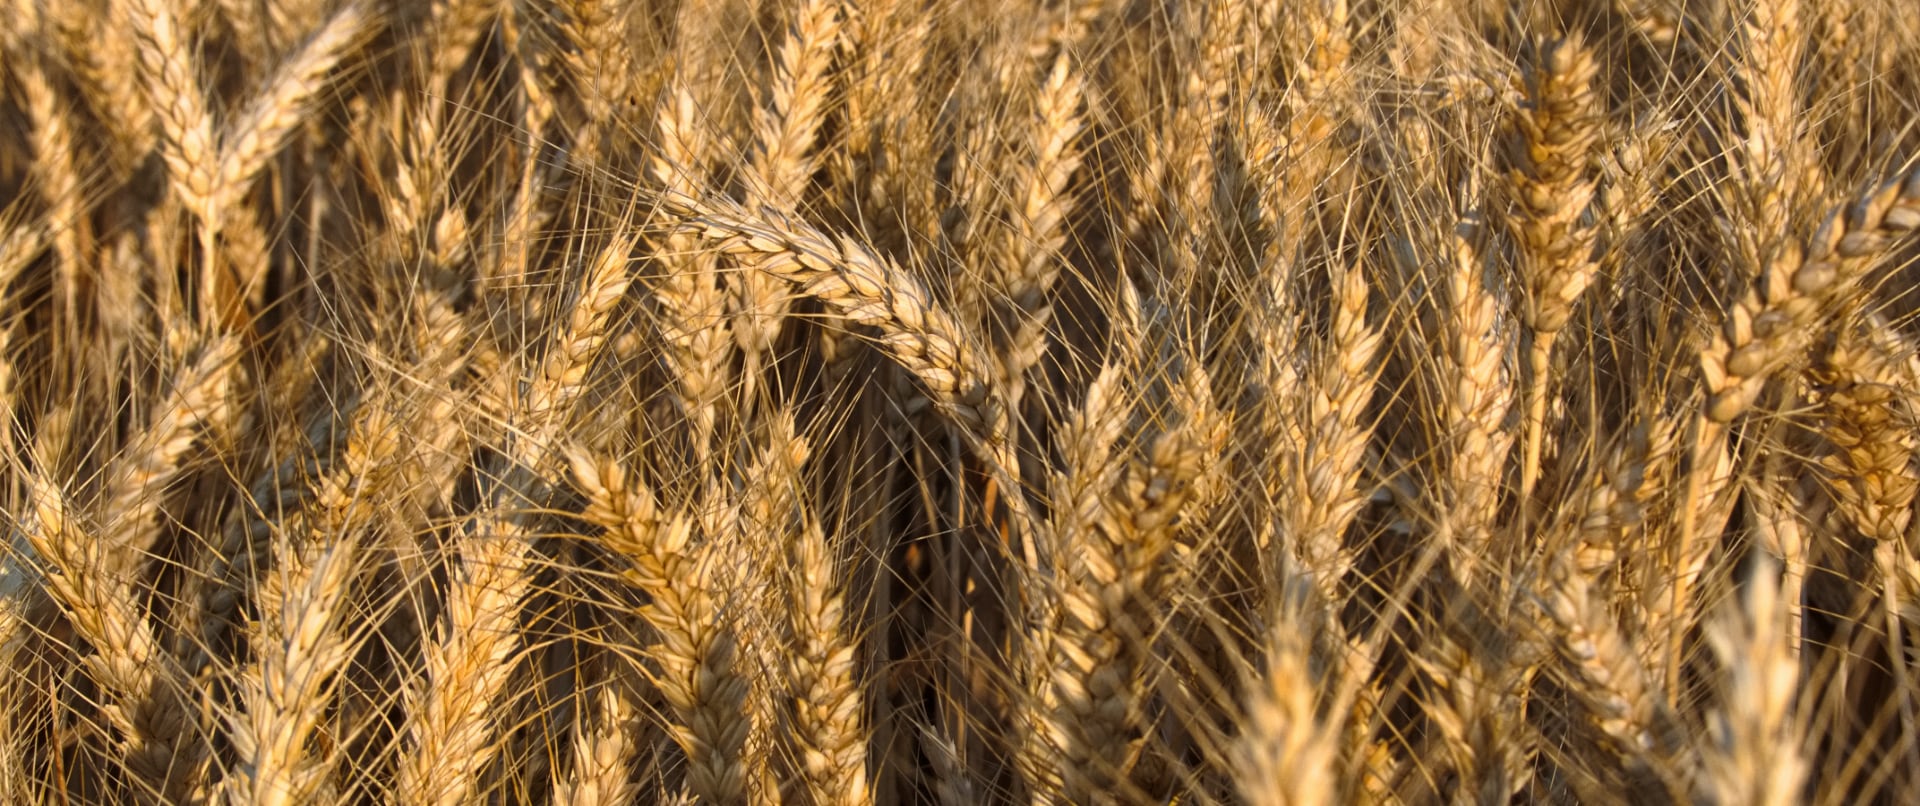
(299, 641)
(693, 320)
(202, 399)
(104, 60)
(1474, 402)
(1288, 751)
(1332, 413)
(174, 92)
(144, 695)
(864, 288)
(1754, 751)
(1112, 572)
(1552, 189)
(1027, 259)
(825, 708)
(600, 63)
(468, 663)
(783, 158)
(1869, 468)
(697, 652)
(59, 183)
(264, 123)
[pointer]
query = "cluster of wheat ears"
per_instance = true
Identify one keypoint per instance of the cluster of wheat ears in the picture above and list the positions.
(962, 401)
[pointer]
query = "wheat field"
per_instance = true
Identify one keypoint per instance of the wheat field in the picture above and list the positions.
(959, 401)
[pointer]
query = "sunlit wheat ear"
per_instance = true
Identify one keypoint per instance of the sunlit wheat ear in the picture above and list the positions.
(266, 120)
(152, 733)
(201, 400)
(1476, 395)
(58, 180)
(1754, 752)
(1868, 424)
(600, 66)
(104, 60)
(693, 317)
(1026, 260)
(1107, 591)
(1552, 187)
(864, 288)
(174, 91)
(697, 651)
(823, 735)
(1767, 324)
(470, 660)
(1288, 752)
(1775, 291)
(610, 734)
(1326, 472)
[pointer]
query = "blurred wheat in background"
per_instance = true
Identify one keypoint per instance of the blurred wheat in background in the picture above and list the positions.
(900, 401)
